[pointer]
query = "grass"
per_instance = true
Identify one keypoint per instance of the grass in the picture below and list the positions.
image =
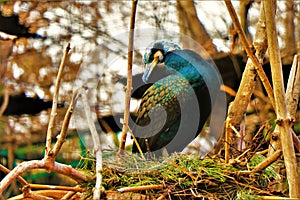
(185, 176)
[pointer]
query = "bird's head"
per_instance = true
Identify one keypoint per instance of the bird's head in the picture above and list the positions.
(155, 54)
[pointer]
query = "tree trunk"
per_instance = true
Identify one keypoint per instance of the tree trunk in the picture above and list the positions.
(191, 26)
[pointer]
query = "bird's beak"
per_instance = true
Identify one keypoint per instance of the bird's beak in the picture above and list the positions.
(149, 67)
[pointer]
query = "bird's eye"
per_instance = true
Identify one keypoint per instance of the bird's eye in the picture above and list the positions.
(160, 57)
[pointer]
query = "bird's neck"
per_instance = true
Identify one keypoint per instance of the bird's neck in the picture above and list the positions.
(176, 64)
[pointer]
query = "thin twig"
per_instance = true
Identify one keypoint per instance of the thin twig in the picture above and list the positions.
(292, 96)
(228, 134)
(55, 101)
(281, 110)
(96, 142)
(183, 170)
(27, 193)
(293, 88)
(55, 187)
(296, 140)
(129, 76)
(71, 193)
(63, 133)
(136, 143)
(245, 184)
(19, 178)
(248, 83)
(5, 101)
(140, 188)
(249, 51)
(268, 161)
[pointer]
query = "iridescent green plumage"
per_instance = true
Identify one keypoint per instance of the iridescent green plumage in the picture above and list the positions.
(163, 93)
(177, 105)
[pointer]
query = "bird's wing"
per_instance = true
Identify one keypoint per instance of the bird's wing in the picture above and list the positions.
(159, 114)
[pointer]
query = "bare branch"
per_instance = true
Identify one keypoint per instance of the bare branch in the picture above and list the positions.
(248, 83)
(55, 101)
(293, 88)
(5, 101)
(129, 76)
(41, 164)
(19, 178)
(63, 133)
(249, 51)
(281, 110)
(96, 142)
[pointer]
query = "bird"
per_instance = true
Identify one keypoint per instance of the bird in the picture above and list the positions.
(176, 107)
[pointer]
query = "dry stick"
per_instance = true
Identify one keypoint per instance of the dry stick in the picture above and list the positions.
(72, 193)
(249, 51)
(292, 96)
(261, 166)
(27, 193)
(228, 133)
(246, 185)
(293, 88)
(139, 188)
(5, 101)
(43, 194)
(237, 108)
(296, 140)
(41, 164)
(182, 169)
(63, 133)
(19, 178)
(137, 144)
(274, 198)
(168, 190)
(55, 187)
(129, 76)
(48, 161)
(268, 161)
(55, 101)
(69, 195)
(281, 110)
(96, 141)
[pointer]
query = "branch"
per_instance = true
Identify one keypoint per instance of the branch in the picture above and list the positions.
(249, 51)
(281, 110)
(292, 96)
(129, 76)
(63, 133)
(140, 188)
(5, 101)
(96, 142)
(41, 164)
(55, 187)
(19, 178)
(238, 107)
(293, 89)
(54, 105)
(267, 162)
